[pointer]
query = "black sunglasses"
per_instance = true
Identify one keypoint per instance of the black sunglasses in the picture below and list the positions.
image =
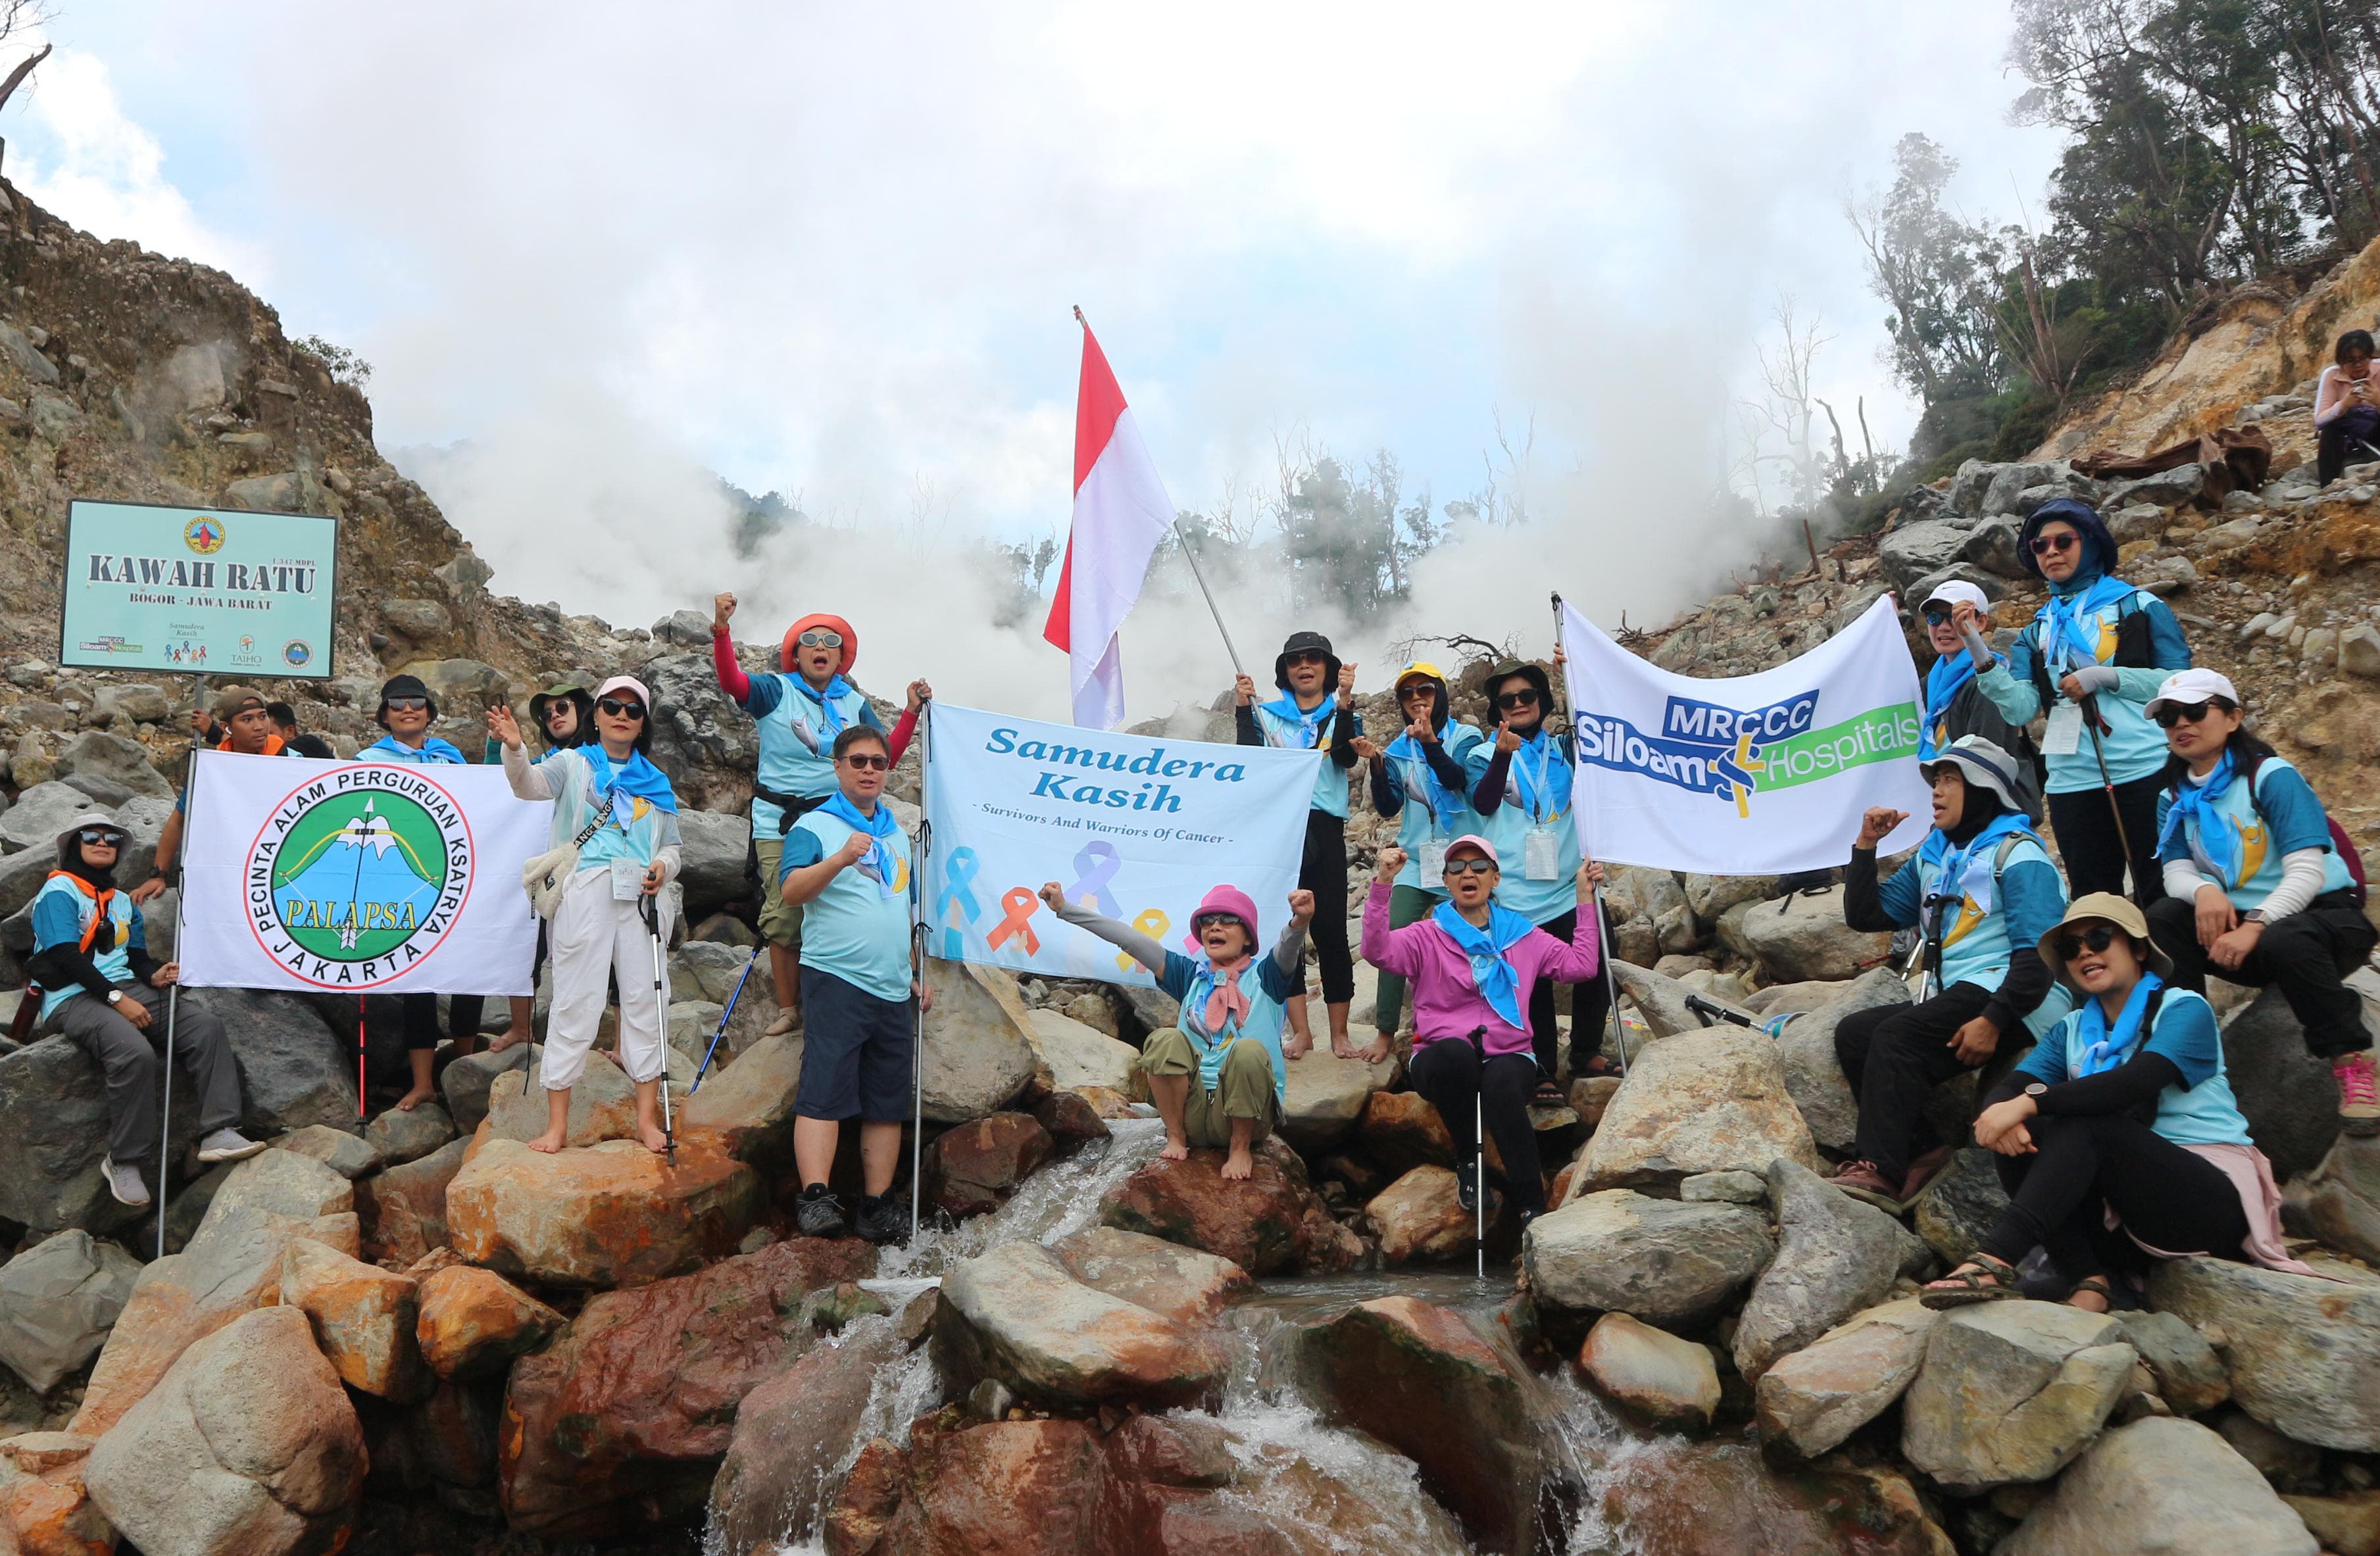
(868, 761)
(401, 705)
(1470, 867)
(2098, 937)
(621, 707)
(95, 836)
(2172, 714)
(1525, 697)
(2045, 544)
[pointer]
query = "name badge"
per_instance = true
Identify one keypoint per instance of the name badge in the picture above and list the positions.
(628, 880)
(1541, 855)
(2064, 735)
(1433, 863)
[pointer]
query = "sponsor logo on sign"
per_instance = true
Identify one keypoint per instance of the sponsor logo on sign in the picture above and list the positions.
(204, 535)
(107, 645)
(1733, 753)
(356, 877)
(297, 653)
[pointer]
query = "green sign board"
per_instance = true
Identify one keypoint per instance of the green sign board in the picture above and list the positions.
(198, 591)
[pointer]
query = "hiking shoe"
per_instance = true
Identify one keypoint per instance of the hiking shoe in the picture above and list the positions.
(882, 1219)
(228, 1145)
(1466, 1185)
(1865, 1181)
(124, 1183)
(819, 1214)
(2359, 1095)
(1922, 1170)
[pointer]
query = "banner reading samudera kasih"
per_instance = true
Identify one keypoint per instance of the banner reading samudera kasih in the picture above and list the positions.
(1138, 828)
(1752, 775)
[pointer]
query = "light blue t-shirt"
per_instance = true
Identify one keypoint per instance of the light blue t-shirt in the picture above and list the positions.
(1428, 814)
(1996, 915)
(2134, 747)
(797, 742)
(2202, 1110)
(1292, 734)
(62, 910)
(2291, 818)
(858, 927)
(1268, 990)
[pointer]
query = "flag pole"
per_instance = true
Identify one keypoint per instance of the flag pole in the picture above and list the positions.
(923, 851)
(1603, 941)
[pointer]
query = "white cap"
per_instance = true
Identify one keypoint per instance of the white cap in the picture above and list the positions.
(1958, 591)
(2191, 686)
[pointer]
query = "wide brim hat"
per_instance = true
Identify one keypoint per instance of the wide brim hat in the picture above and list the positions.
(1224, 902)
(1534, 674)
(1983, 765)
(2103, 907)
(1306, 643)
(71, 839)
(833, 623)
(570, 689)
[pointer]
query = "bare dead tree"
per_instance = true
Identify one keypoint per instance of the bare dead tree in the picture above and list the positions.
(15, 17)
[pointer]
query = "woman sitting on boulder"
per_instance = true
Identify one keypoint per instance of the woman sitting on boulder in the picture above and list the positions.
(2257, 885)
(2346, 408)
(2121, 1113)
(1219, 1077)
(1472, 963)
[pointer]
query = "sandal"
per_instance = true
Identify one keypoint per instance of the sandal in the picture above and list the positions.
(2093, 1283)
(1991, 1280)
(1548, 1095)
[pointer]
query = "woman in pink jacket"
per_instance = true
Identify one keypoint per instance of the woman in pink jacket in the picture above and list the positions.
(1471, 965)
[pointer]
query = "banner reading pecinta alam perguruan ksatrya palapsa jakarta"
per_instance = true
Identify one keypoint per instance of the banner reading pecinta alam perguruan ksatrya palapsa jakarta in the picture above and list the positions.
(198, 591)
(1752, 775)
(1138, 828)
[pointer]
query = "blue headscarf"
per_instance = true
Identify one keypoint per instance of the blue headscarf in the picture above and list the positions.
(1499, 984)
(1309, 725)
(2103, 1050)
(433, 751)
(2195, 802)
(881, 827)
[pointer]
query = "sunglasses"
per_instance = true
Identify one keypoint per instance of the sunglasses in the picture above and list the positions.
(2172, 714)
(621, 707)
(559, 710)
(1525, 697)
(2045, 544)
(820, 637)
(868, 761)
(1295, 661)
(94, 837)
(1470, 867)
(2098, 937)
(1937, 615)
(400, 705)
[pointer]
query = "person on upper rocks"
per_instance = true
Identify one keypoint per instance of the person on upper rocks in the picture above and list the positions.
(1316, 711)
(862, 989)
(2346, 408)
(1476, 967)
(2118, 1139)
(2256, 885)
(621, 812)
(2090, 659)
(244, 721)
(798, 712)
(1419, 778)
(1219, 1077)
(1982, 891)
(100, 987)
(1955, 706)
(1521, 790)
(565, 714)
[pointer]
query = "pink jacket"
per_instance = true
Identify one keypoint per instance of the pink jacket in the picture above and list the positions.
(1447, 1003)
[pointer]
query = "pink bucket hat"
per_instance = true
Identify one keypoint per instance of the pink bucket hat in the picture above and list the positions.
(1474, 840)
(1224, 902)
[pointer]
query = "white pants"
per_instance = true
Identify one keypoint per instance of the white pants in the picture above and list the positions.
(593, 937)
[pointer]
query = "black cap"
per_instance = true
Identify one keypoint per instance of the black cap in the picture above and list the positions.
(1306, 643)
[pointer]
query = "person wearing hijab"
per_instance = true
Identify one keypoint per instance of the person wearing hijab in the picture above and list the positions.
(2118, 1139)
(1218, 1075)
(1955, 706)
(608, 793)
(797, 713)
(1474, 964)
(2090, 659)
(243, 719)
(564, 715)
(100, 987)
(1982, 891)
(1316, 712)
(1419, 778)
(2256, 885)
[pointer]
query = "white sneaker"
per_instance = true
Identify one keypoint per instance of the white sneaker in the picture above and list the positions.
(124, 1183)
(228, 1145)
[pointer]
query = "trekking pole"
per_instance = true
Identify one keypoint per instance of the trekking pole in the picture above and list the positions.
(652, 918)
(2108, 784)
(725, 1016)
(173, 990)
(1617, 1033)
(923, 850)
(1479, 1150)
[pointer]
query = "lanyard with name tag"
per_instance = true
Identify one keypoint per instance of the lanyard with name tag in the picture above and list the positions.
(1541, 855)
(2063, 737)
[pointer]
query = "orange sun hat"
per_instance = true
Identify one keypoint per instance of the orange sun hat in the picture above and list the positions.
(794, 634)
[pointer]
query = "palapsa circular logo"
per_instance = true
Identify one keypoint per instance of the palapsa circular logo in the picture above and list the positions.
(354, 879)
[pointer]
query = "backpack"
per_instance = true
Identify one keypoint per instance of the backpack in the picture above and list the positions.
(1929, 930)
(2340, 843)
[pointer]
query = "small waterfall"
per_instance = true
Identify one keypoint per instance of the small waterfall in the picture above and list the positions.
(1060, 1200)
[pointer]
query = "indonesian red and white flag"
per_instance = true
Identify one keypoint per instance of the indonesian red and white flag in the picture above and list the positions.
(1120, 514)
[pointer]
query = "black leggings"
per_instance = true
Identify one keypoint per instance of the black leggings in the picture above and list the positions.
(1893, 1055)
(1324, 872)
(2088, 842)
(1446, 1071)
(421, 1017)
(2343, 441)
(2166, 1196)
(2306, 953)
(1588, 1003)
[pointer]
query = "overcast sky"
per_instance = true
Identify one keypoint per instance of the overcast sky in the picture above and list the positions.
(830, 251)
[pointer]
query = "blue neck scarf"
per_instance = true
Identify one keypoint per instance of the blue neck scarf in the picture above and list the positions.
(1943, 684)
(1309, 725)
(883, 862)
(432, 752)
(1955, 861)
(1409, 759)
(635, 779)
(2070, 639)
(2103, 1050)
(1542, 777)
(1490, 968)
(2194, 803)
(829, 700)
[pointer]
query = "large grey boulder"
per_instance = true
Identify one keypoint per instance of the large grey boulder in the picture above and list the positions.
(2290, 1098)
(114, 760)
(210, 1464)
(1958, 1210)
(402, 1137)
(708, 970)
(2002, 496)
(58, 1300)
(978, 1054)
(2189, 1376)
(2343, 1197)
(465, 1083)
(1813, 1077)
(1015, 1314)
(1992, 546)
(53, 1133)
(295, 1067)
(1835, 1257)
(2012, 1392)
(2159, 1486)
(2304, 1352)
(42, 812)
(1669, 1262)
(714, 849)
(1803, 937)
(1809, 1401)
(1969, 486)
(343, 1153)
(281, 1182)
(1913, 550)
(1701, 1101)
(1659, 999)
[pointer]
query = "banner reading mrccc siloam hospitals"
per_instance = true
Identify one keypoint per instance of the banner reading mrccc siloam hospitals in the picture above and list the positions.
(357, 877)
(1137, 829)
(1752, 774)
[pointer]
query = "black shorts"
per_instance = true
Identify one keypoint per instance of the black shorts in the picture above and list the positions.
(856, 1052)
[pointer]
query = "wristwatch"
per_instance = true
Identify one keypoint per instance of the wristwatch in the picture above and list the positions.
(116, 997)
(2036, 1090)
